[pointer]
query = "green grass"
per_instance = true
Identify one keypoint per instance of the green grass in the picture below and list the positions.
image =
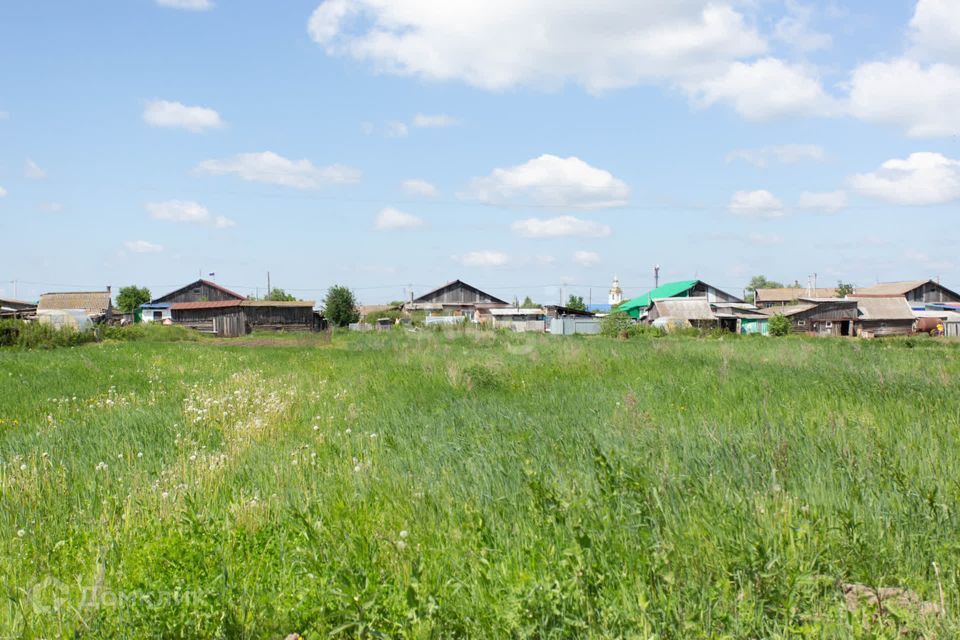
(482, 485)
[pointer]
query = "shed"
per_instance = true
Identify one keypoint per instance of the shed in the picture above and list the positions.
(570, 325)
(693, 311)
(280, 316)
(520, 320)
(222, 317)
(97, 305)
(154, 312)
(880, 317)
(820, 316)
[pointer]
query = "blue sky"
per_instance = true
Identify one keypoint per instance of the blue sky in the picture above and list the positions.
(516, 145)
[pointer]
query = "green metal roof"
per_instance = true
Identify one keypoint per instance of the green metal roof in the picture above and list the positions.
(669, 290)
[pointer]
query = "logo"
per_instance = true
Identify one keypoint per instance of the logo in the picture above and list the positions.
(49, 596)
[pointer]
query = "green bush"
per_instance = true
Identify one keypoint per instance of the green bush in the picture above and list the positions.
(780, 326)
(32, 335)
(617, 325)
(150, 332)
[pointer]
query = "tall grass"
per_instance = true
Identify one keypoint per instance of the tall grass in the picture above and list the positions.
(458, 484)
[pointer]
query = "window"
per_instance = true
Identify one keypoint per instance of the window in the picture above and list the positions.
(158, 315)
(801, 323)
(829, 325)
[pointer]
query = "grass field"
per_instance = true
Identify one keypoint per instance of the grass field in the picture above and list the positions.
(478, 485)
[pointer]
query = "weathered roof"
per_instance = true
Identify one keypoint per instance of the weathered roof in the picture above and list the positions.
(891, 308)
(511, 311)
(196, 283)
(684, 308)
(668, 290)
(789, 294)
(426, 297)
(791, 310)
(891, 288)
(92, 302)
(278, 303)
(207, 304)
(10, 302)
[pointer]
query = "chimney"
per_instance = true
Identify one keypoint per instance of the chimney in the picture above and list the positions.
(108, 289)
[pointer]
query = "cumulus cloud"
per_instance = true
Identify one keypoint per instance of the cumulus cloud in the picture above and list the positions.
(781, 154)
(164, 113)
(187, 212)
(560, 226)
(765, 89)
(397, 130)
(935, 30)
(3, 192)
(493, 45)
(436, 121)
(921, 179)
(795, 29)
(586, 258)
(757, 204)
(391, 219)
(416, 187)
(271, 168)
(142, 246)
(484, 258)
(188, 5)
(551, 181)
(33, 171)
(923, 100)
(823, 201)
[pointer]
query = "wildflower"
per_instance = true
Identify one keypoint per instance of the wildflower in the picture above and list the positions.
(356, 469)
(23, 467)
(373, 436)
(316, 427)
(401, 545)
(404, 533)
(139, 454)
(348, 431)
(21, 533)
(165, 495)
(102, 466)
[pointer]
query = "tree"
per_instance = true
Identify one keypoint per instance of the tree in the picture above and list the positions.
(129, 298)
(576, 303)
(780, 325)
(529, 304)
(844, 289)
(340, 306)
(279, 295)
(760, 282)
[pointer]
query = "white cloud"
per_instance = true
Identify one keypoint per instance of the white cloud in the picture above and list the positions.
(397, 130)
(922, 179)
(436, 121)
(51, 207)
(272, 168)
(764, 239)
(416, 187)
(795, 30)
(483, 259)
(187, 212)
(935, 30)
(4, 115)
(925, 101)
(823, 201)
(164, 113)
(498, 44)
(33, 171)
(142, 246)
(586, 258)
(551, 181)
(560, 226)
(783, 154)
(391, 219)
(767, 88)
(925, 261)
(189, 5)
(3, 192)
(757, 204)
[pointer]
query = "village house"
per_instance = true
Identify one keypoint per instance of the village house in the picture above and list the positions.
(882, 317)
(820, 316)
(638, 307)
(457, 299)
(95, 305)
(918, 293)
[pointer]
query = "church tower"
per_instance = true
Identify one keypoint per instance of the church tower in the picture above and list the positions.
(616, 293)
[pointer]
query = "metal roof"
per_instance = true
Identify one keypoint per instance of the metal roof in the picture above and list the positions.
(685, 308)
(668, 290)
(789, 294)
(792, 310)
(92, 302)
(891, 288)
(511, 311)
(278, 303)
(892, 308)
(214, 304)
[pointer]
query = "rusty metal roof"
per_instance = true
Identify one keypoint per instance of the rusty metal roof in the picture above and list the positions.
(215, 304)
(278, 303)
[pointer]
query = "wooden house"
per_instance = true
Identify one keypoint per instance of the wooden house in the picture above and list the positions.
(96, 305)
(199, 291)
(917, 293)
(457, 298)
(267, 315)
(684, 312)
(231, 318)
(640, 306)
(881, 317)
(788, 296)
(820, 316)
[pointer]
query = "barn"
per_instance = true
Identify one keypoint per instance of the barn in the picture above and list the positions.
(231, 318)
(882, 317)
(457, 298)
(199, 291)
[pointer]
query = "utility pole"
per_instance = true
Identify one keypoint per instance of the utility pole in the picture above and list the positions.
(656, 277)
(268, 284)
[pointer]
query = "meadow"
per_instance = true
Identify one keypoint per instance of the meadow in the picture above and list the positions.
(478, 485)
